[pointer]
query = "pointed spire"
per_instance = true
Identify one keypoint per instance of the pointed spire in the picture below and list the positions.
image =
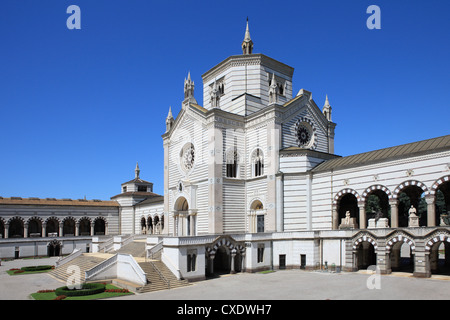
(327, 109)
(169, 120)
(189, 89)
(136, 171)
(247, 44)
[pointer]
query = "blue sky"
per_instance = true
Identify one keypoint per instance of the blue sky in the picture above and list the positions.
(80, 107)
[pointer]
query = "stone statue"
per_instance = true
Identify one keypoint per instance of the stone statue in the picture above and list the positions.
(412, 211)
(347, 218)
(413, 218)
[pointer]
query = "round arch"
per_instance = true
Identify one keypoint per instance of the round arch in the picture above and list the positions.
(376, 202)
(364, 251)
(346, 201)
(2, 228)
(34, 227)
(69, 226)
(52, 226)
(437, 248)
(16, 227)
(100, 225)
(400, 249)
(84, 226)
(411, 193)
(440, 191)
(225, 255)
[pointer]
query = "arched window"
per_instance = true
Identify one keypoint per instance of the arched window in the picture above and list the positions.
(232, 162)
(257, 163)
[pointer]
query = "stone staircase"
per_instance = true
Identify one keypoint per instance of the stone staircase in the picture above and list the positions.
(162, 280)
(159, 277)
(135, 248)
(84, 262)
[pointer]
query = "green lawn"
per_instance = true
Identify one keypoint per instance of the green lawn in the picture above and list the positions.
(52, 295)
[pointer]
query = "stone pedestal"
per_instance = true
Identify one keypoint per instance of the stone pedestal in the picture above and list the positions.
(380, 223)
(413, 222)
(348, 223)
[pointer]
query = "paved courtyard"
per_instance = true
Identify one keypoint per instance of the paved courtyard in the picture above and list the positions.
(279, 285)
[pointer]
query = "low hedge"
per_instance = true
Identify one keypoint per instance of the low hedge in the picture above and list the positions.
(37, 268)
(86, 289)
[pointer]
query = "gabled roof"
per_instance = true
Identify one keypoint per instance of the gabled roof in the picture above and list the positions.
(403, 151)
(137, 180)
(57, 202)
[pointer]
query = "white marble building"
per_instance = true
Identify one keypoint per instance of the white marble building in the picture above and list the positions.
(251, 182)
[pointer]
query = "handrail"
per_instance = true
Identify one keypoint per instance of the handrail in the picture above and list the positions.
(100, 267)
(119, 257)
(153, 250)
(75, 253)
(161, 276)
(106, 246)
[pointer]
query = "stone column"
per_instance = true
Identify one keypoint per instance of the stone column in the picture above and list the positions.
(44, 229)
(233, 254)
(6, 230)
(211, 263)
(335, 218)
(394, 213)
(431, 211)
(77, 229)
(60, 234)
(92, 229)
(362, 216)
(106, 228)
(25, 230)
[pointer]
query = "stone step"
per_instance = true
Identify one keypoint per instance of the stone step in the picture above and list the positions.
(83, 262)
(155, 281)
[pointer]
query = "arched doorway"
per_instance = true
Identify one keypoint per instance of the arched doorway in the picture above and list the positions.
(2, 228)
(69, 227)
(99, 227)
(411, 193)
(54, 248)
(34, 227)
(143, 226)
(377, 205)
(222, 261)
(348, 203)
(442, 201)
(224, 256)
(16, 228)
(85, 227)
(52, 227)
(365, 256)
(439, 254)
(402, 258)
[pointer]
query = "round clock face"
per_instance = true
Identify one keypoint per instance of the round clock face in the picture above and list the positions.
(188, 157)
(303, 135)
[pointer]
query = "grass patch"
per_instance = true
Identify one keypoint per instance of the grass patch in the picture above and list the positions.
(29, 270)
(266, 271)
(102, 295)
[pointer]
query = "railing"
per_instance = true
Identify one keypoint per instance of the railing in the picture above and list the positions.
(116, 259)
(75, 253)
(107, 245)
(161, 276)
(100, 267)
(155, 249)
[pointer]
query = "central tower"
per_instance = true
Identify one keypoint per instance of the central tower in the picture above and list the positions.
(240, 84)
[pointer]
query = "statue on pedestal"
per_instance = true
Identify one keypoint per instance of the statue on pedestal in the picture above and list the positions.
(348, 222)
(413, 218)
